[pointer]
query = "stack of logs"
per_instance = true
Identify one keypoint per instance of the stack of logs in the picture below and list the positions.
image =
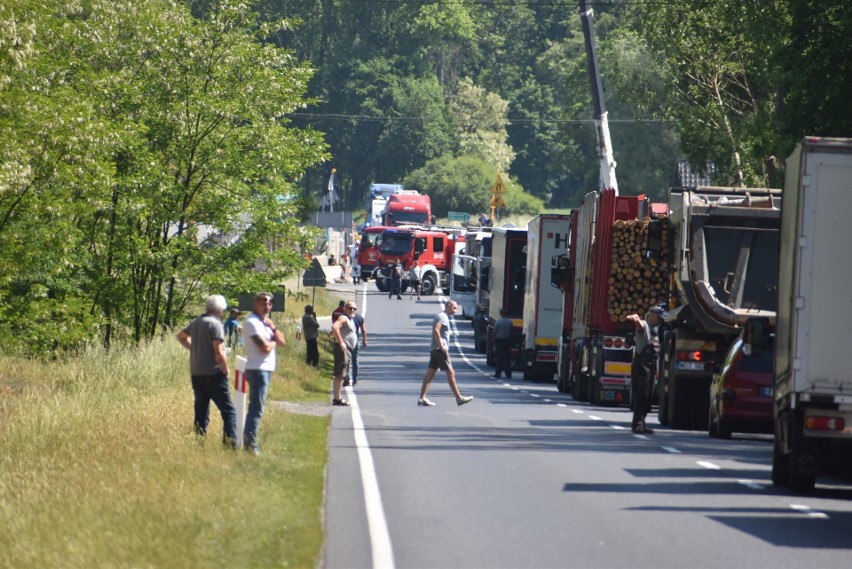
(635, 283)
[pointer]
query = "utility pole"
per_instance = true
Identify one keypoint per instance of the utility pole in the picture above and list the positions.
(607, 161)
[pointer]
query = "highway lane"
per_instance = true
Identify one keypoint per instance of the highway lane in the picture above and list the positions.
(523, 476)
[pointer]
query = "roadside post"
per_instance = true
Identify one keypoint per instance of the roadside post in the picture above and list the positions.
(240, 397)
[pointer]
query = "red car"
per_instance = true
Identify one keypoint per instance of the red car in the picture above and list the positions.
(741, 391)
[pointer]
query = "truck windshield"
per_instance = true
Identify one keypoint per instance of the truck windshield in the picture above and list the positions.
(403, 217)
(395, 244)
(742, 266)
(369, 239)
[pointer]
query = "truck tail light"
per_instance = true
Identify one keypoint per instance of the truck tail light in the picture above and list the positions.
(690, 356)
(819, 423)
(608, 342)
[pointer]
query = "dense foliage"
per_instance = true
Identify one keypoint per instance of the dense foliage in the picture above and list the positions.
(145, 162)
(153, 151)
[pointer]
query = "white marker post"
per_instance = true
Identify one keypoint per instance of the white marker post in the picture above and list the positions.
(240, 386)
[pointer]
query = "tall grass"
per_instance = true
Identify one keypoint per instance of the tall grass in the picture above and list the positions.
(99, 466)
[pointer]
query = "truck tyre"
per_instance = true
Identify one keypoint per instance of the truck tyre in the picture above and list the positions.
(802, 459)
(663, 381)
(428, 285)
(382, 284)
(780, 464)
(580, 389)
(594, 391)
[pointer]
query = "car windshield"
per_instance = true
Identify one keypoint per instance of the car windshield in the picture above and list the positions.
(759, 360)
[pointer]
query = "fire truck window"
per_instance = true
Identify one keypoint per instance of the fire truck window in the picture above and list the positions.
(439, 245)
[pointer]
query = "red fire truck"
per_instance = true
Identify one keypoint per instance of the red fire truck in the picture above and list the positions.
(430, 248)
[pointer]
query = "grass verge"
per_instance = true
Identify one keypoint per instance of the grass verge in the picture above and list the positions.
(99, 466)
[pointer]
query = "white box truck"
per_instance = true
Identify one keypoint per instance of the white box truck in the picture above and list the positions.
(813, 342)
(547, 240)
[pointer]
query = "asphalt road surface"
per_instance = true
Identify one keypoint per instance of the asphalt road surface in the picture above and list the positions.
(523, 476)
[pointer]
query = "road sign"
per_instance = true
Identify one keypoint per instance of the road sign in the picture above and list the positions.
(458, 216)
(314, 275)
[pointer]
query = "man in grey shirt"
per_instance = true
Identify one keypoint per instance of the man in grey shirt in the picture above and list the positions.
(204, 337)
(503, 345)
(439, 356)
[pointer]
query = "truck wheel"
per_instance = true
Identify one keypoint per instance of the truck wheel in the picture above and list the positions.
(594, 391)
(580, 390)
(780, 465)
(427, 287)
(382, 284)
(801, 483)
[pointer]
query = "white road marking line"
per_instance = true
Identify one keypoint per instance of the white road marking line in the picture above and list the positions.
(535, 395)
(811, 513)
(751, 484)
(380, 543)
(672, 450)
(708, 465)
(595, 418)
(619, 427)
(580, 411)
(640, 436)
(546, 400)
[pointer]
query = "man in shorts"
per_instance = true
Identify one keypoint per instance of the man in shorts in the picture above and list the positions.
(439, 356)
(343, 337)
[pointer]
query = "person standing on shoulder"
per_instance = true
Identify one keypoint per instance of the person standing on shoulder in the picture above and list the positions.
(340, 310)
(344, 338)
(262, 339)
(503, 345)
(360, 342)
(646, 348)
(204, 337)
(414, 280)
(439, 356)
(310, 328)
(233, 328)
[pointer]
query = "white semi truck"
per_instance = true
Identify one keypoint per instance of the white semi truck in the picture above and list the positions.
(813, 341)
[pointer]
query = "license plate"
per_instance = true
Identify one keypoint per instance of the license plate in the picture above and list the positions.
(690, 366)
(766, 391)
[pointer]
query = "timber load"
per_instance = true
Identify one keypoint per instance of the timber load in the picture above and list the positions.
(636, 283)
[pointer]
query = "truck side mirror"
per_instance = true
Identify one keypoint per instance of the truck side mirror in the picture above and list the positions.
(757, 330)
(520, 280)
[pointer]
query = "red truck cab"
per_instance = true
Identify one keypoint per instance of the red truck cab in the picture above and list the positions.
(408, 208)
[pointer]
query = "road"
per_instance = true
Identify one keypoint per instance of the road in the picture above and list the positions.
(523, 476)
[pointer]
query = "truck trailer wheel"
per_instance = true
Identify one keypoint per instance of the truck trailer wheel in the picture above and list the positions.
(780, 465)
(428, 285)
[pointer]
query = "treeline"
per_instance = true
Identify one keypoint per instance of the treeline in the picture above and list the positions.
(151, 152)
(407, 89)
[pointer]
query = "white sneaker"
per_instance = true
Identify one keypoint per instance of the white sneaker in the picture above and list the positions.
(464, 399)
(425, 403)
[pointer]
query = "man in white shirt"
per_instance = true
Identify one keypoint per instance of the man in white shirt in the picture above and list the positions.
(344, 338)
(262, 337)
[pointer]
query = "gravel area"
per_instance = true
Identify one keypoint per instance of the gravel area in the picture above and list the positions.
(315, 409)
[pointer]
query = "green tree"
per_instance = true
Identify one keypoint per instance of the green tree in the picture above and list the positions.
(464, 184)
(720, 73)
(480, 118)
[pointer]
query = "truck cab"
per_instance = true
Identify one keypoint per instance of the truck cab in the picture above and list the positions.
(431, 250)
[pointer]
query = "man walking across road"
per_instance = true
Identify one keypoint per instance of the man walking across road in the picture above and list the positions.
(414, 280)
(344, 338)
(262, 339)
(204, 337)
(439, 356)
(503, 345)
(646, 346)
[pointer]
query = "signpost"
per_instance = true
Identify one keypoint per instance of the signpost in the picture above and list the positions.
(458, 216)
(314, 276)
